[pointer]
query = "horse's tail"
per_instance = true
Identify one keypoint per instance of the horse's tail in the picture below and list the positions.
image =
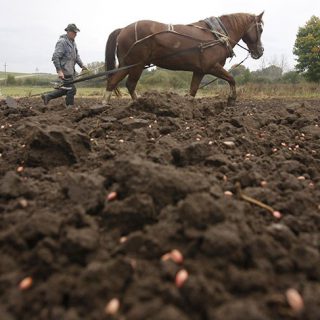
(110, 54)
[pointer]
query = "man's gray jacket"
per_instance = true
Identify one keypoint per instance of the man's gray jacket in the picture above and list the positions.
(66, 56)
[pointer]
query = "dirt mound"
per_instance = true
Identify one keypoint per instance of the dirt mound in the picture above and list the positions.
(95, 203)
(52, 146)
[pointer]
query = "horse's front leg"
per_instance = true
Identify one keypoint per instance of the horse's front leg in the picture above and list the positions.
(220, 72)
(106, 97)
(112, 83)
(195, 82)
(133, 78)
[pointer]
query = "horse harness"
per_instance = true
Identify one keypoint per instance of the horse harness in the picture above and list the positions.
(218, 29)
(215, 26)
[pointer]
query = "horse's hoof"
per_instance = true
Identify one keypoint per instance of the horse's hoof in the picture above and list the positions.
(231, 102)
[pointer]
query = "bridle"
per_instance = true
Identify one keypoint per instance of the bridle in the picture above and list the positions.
(258, 25)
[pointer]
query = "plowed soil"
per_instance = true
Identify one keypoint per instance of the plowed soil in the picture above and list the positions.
(92, 199)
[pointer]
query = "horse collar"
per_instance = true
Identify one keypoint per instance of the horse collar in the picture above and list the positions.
(219, 30)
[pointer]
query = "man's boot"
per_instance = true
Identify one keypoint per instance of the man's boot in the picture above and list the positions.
(45, 99)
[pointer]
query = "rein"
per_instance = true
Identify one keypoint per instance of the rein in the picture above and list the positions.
(223, 36)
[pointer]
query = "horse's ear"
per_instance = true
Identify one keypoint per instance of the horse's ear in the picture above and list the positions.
(260, 16)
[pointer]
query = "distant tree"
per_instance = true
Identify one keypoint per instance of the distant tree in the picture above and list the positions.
(307, 49)
(241, 74)
(28, 81)
(279, 61)
(96, 66)
(165, 78)
(291, 77)
(270, 74)
(237, 70)
(11, 79)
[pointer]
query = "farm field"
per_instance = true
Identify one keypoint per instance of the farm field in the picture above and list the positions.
(259, 91)
(94, 200)
(27, 91)
(3, 75)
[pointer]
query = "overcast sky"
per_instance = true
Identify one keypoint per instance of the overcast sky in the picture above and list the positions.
(29, 29)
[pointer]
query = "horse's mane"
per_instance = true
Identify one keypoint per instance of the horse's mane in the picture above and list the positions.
(239, 20)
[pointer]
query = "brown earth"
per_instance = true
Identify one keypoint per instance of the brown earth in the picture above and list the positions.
(170, 161)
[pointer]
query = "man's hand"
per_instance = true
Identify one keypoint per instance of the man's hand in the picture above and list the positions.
(84, 70)
(60, 74)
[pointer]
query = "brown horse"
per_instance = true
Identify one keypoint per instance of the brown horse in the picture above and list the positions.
(200, 47)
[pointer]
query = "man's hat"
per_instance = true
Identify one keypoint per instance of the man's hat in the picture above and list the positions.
(72, 27)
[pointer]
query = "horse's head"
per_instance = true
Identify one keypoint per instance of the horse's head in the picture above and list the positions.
(252, 37)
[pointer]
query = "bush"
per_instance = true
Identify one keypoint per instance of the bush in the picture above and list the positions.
(292, 77)
(11, 80)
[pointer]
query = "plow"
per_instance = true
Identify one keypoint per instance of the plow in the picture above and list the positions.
(65, 84)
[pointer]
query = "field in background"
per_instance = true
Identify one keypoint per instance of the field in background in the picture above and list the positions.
(14, 74)
(25, 91)
(305, 90)
(260, 91)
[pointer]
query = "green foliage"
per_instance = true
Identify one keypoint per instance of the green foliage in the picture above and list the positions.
(241, 74)
(94, 68)
(307, 49)
(270, 74)
(248, 91)
(165, 79)
(28, 81)
(237, 70)
(11, 80)
(292, 77)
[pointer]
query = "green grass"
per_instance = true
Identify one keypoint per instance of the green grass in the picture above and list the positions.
(22, 91)
(26, 91)
(2, 74)
(248, 91)
(288, 91)
(17, 75)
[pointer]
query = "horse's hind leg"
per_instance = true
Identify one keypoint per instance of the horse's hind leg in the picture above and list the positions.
(195, 82)
(131, 83)
(112, 83)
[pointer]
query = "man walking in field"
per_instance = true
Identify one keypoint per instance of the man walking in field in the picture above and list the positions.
(64, 58)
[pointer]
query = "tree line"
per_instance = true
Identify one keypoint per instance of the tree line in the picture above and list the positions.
(175, 79)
